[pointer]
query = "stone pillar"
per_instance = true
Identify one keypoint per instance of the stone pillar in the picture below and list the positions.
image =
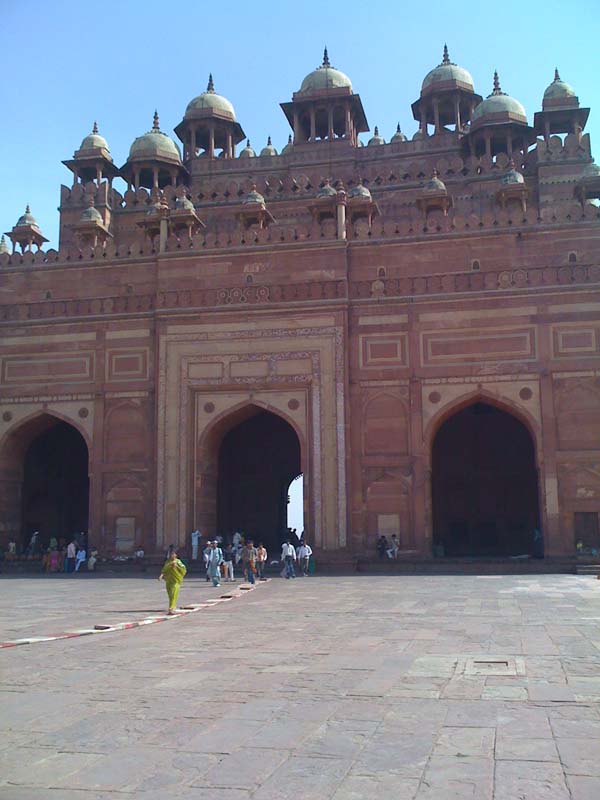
(164, 234)
(211, 141)
(297, 129)
(229, 147)
(330, 134)
(423, 119)
(341, 215)
(488, 144)
(509, 147)
(457, 114)
(313, 124)
(436, 115)
(347, 121)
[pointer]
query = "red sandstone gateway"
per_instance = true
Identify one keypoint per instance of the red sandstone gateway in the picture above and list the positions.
(413, 326)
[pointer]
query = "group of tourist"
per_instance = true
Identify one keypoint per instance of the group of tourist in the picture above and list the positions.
(221, 558)
(58, 556)
(388, 548)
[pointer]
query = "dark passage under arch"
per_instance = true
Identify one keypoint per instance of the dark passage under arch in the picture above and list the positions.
(257, 461)
(484, 485)
(55, 493)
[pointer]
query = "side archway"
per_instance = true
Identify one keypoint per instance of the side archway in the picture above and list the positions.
(484, 484)
(44, 480)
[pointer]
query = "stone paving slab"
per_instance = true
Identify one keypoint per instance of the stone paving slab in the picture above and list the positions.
(404, 687)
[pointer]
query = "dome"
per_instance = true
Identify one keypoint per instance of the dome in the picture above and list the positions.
(289, 146)
(360, 191)
(326, 190)
(210, 101)
(269, 150)
(27, 219)
(247, 152)
(398, 136)
(92, 214)
(559, 90)
(447, 72)
(154, 145)
(3, 246)
(511, 177)
(498, 102)
(434, 184)
(184, 203)
(94, 141)
(376, 139)
(254, 197)
(325, 77)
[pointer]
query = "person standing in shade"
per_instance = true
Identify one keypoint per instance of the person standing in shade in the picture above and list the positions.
(288, 556)
(205, 556)
(195, 544)
(261, 561)
(173, 574)
(249, 557)
(228, 557)
(71, 555)
(215, 559)
(303, 553)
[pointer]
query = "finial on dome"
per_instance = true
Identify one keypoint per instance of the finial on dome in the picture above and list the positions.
(247, 142)
(27, 209)
(95, 127)
(556, 75)
(211, 86)
(290, 138)
(434, 173)
(398, 128)
(269, 142)
(326, 58)
(155, 125)
(446, 57)
(497, 89)
(376, 131)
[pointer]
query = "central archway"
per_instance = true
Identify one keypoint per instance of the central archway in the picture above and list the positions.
(245, 463)
(258, 459)
(484, 485)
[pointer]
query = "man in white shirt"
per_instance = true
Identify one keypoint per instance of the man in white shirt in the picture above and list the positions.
(195, 543)
(288, 556)
(304, 552)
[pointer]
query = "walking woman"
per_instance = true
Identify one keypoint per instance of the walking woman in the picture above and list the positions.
(173, 574)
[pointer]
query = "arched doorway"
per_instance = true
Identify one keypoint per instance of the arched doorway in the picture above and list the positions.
(484, 485)
(44, 467)
(257, 459)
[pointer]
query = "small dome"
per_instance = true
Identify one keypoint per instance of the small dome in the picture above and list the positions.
(210, 101)
(498, 102)
(376, 139)
(93, 141)
(247, 151)
(325, 77)
(26, 219)
(559, 90)
(254, 197)
(448, 72)
(434, 184)
(511, 177)
(398, 136)
(154, 145)
(269, 150)
(326, 190)
(3, 246)
(92, 214)
(359, 191)
(289, 146)
(418, 135)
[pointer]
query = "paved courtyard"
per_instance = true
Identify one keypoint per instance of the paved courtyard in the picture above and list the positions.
(343, 688)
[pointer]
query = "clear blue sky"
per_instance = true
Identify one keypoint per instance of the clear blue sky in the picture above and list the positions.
(65, 64)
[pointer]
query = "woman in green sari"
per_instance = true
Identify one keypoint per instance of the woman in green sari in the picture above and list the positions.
(173, 574)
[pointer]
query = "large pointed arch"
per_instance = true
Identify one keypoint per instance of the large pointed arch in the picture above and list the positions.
(485, 490)
(216, 475)
(44, 478)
